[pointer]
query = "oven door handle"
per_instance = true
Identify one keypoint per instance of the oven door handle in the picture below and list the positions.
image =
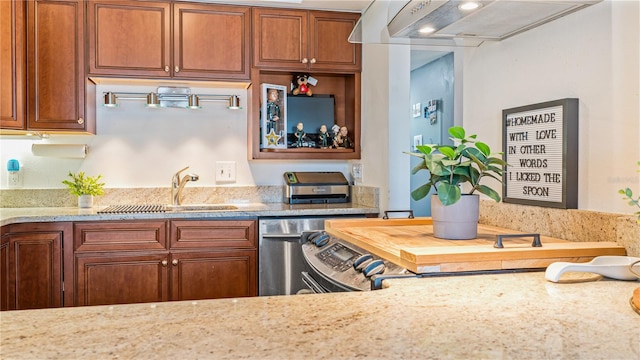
(312, 284)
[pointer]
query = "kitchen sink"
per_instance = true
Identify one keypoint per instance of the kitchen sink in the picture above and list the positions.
(201, 207)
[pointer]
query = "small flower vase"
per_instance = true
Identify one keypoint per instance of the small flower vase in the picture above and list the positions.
(85, 201)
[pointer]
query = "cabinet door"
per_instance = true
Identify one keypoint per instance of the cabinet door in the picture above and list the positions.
(12, 65)
(35, 270)
(280, 39)
(4, 273)
(330, 49)
(213, 274)
(121, 278)
(55, 65)
(211, 41)
(129, 38)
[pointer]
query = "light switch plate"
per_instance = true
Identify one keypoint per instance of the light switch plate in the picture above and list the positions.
(225, 171)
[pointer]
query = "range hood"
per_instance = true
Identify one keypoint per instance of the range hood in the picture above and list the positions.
(493, 20)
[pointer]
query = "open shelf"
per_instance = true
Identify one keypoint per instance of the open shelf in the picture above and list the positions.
(346, 90)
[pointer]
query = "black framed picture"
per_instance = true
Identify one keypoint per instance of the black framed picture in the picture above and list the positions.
(540, 144)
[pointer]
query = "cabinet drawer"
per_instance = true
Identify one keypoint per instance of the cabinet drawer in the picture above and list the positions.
(213, 233)
(119, 235)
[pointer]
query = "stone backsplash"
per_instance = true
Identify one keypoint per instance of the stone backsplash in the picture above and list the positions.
(568, 224)
(19, 198)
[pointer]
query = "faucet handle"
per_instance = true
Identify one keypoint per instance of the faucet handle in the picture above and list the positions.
(179, 171)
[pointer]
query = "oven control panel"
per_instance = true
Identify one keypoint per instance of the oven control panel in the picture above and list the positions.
(338, 257)
(339, 264)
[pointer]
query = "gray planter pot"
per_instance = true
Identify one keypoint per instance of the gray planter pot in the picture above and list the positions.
(458, 221)
(85, 201)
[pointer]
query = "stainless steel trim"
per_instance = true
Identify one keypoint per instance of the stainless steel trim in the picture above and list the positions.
(313, 285)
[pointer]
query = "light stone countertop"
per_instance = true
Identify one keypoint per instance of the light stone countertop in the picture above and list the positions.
(496, 316)
(51, 214)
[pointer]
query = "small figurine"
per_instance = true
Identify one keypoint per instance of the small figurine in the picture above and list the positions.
(342, 140)
(335, 129)
(273, 109)
(299, 134)
(302, 85)
(324, 137)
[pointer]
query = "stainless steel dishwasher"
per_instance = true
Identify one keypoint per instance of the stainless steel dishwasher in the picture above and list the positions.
(280, 253)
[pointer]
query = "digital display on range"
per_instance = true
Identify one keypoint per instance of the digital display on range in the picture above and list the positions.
(343, 254)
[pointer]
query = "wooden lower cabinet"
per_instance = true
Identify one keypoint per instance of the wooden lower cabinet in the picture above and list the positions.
(204, 259)
(4, 273)
(32, 264)
(121, 278)
(213, 274)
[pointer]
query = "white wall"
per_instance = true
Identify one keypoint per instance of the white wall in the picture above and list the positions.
(136, 146)
(592, 55)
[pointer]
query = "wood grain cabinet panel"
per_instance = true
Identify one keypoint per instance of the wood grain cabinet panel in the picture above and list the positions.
(169, 40)
(57, 86)
(120, 235)
(130, 38)
(298, 40)
(12, 65)
(121, 278)
(211, 41)
(119, 262)
(4, 272)
(34, 259)
(213, 274)
(213, 233)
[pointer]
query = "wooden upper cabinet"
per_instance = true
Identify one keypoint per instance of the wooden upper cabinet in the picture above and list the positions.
(211, 41)
(168, 40)
(298, 40)
(130, 38)
(12, 65)
(56, 67)
(329, 47)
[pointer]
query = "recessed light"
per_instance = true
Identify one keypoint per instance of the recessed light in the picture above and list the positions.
(426, 30)
(469, 6)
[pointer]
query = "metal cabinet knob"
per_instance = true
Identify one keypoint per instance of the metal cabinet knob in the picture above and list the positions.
(313, 60)
(174, 262)
(305, 60)
(166, 68)
(81, 121)
(176, 69)
(164, 262)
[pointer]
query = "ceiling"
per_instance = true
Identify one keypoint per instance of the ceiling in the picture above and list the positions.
(337, 5)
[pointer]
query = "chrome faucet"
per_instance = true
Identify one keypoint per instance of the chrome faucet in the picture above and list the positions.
(178, 184)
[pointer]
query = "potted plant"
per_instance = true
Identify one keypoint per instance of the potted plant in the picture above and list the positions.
(84, 187)
(628, 195)
(455, 215)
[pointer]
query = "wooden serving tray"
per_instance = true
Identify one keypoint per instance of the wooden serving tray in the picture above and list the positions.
(410, 243)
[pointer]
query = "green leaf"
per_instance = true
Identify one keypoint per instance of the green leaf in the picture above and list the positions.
(448, 194)
(421, 166)
(489, 192)
(425, 149)
(483, 147)
(421, 192)
(457, 132)
(448, 152)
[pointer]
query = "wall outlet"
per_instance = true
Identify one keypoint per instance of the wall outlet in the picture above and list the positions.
(356, 173)
(225, 171)
(14, 179)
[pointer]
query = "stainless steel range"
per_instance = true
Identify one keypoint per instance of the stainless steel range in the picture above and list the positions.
(338, 266)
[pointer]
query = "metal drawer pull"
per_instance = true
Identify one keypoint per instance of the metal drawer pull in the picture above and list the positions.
(386, 213)
(536, 239)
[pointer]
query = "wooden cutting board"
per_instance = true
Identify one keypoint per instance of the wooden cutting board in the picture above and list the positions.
(410, 243)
